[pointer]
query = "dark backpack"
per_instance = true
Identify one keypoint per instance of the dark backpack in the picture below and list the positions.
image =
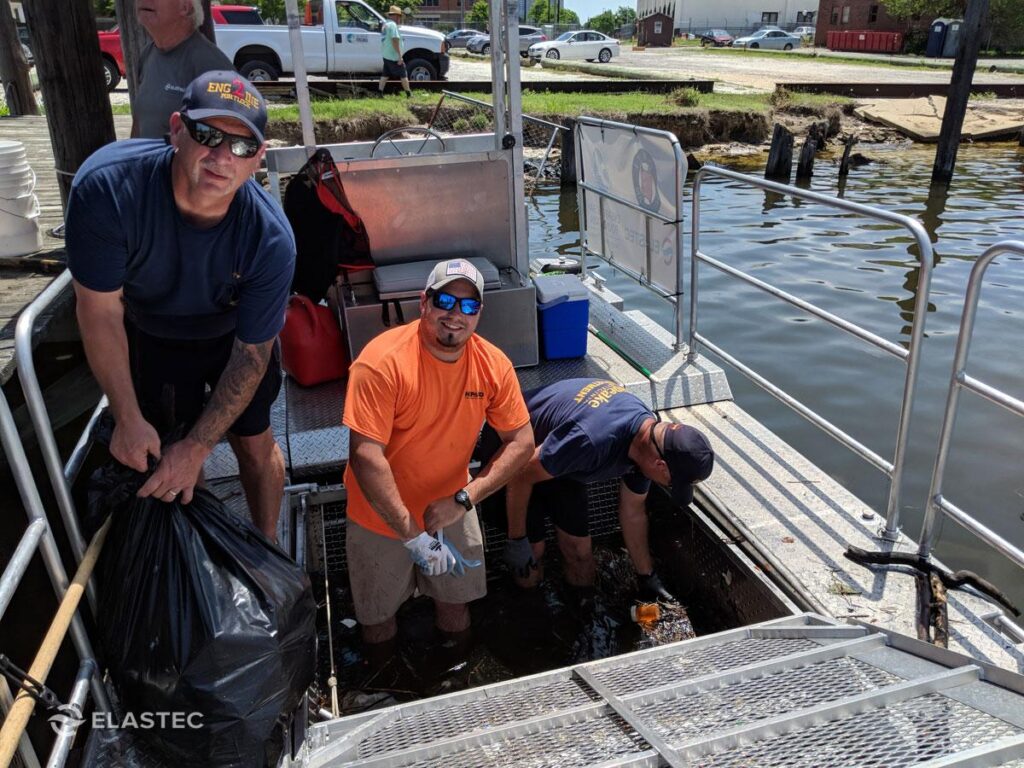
(329, 236)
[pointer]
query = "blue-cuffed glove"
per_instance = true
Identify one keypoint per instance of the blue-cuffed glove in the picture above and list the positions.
(461, 563)
(430, 554)
(518, 556)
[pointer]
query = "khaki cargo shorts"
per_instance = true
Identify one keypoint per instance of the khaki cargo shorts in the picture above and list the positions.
(383, 576)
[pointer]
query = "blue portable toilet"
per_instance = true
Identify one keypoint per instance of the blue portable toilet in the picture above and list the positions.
(952, 41)
(936, 37)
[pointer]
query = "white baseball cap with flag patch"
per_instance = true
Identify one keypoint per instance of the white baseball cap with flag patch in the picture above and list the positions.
(455, 269)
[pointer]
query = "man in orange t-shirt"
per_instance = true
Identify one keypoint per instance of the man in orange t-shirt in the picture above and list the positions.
(417, 398)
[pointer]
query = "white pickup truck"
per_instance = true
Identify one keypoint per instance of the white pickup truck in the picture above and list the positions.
(345, 42)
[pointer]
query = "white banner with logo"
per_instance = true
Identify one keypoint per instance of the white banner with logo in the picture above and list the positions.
(641, 167)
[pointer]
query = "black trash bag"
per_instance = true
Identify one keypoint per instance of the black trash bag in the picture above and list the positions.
(200, 613)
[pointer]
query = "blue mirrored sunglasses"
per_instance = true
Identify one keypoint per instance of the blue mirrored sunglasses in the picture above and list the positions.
(447, 302)
(208, 136)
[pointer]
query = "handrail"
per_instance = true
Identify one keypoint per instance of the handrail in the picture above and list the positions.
(40, 418)
(39, 536)
(937, 503)
(582, 187)
(893, 469)
(17, 719)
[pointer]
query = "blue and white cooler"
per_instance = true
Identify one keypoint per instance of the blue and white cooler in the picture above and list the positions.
(563, 306)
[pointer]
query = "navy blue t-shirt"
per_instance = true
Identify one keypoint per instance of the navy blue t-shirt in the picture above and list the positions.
(585, 427)
(180, 282)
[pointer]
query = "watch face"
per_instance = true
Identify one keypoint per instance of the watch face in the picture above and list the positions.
(462, 498)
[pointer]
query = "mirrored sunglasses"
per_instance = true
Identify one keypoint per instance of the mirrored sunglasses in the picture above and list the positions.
(208, 136)
(447, 302)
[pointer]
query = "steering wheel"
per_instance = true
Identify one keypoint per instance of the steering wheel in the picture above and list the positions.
(388, 137)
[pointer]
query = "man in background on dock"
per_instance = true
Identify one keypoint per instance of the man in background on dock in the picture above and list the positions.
(417, 395)
(182, 265)
(588, 430)
(177, 54)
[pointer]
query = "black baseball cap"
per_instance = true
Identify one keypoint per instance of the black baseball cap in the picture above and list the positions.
(689, 457)
(221, 93)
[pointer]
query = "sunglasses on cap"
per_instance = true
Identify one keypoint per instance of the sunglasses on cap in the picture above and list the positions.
(447, 302)
(208, 136)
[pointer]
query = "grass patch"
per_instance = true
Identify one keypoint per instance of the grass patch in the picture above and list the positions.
(574, 104)
(349, 109)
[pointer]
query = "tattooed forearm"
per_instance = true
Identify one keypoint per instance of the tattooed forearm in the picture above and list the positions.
(245, 369)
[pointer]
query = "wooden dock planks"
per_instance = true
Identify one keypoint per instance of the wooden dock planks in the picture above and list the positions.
(22, 280)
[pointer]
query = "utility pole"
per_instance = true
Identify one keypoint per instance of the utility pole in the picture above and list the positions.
(68, 63)
(133, 40)
(14, 67)
(959, 91)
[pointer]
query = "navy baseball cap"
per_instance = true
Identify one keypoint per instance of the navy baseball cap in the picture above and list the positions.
(690, 459)
(226, 94)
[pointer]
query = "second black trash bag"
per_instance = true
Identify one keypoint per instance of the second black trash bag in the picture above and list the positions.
(201, 615)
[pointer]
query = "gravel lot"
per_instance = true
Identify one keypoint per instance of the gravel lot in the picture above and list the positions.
(732, 73)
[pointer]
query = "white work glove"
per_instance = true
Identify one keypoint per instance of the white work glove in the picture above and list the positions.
(432, 556)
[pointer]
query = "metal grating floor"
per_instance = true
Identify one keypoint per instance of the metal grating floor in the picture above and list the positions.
(798, 691)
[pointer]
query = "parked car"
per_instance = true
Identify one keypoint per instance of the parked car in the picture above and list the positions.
(113, 56)
(460, 37)
(582, 44)
(774, 39)
(716, 38)
(805, 33)
(527, 37)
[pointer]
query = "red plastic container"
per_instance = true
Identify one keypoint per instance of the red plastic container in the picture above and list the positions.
(312, 349)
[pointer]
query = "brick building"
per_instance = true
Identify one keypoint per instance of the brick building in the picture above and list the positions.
(870, 15)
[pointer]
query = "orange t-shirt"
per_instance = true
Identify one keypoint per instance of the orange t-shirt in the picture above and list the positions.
(427, 413)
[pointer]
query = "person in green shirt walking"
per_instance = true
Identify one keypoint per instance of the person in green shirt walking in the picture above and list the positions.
(391, 51)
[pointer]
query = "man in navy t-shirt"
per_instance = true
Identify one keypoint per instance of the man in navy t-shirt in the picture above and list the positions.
(182, 265)
(588, 430)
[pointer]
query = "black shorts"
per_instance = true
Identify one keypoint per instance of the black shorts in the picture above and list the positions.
(171, 377)
(394, 70)
(561, 499)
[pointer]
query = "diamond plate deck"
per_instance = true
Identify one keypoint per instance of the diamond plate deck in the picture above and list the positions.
(672, 382)
(799, 691)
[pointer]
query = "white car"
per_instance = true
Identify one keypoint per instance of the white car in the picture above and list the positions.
(582, 44)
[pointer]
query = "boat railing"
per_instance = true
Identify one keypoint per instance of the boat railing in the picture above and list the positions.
(633, 219)
(961, 380)
(39, 536)
(909, 354)
(538, 134)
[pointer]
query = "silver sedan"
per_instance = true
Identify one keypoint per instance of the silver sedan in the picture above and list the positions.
(774, 39)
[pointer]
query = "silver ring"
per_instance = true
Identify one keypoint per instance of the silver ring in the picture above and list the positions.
(174, 493)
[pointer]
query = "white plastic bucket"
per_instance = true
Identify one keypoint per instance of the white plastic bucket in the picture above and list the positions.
(20, 235)
(23, 206)
(19, 207)
(17, 184)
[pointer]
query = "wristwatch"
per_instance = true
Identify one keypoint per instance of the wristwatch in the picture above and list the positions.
(461, 497)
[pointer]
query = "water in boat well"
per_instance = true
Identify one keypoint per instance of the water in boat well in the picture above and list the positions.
(867, 272)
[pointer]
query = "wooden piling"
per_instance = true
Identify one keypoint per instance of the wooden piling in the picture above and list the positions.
(68, 62)
(568, 137)
(780, 156)
(14, 67)
(844, 164)
(805, 167)
(959, 90)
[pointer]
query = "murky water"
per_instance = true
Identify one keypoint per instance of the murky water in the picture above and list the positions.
(867, 272)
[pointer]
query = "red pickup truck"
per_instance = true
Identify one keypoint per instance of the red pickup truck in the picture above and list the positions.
(113, 56)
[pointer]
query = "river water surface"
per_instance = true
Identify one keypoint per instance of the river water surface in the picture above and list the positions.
(867, 272)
